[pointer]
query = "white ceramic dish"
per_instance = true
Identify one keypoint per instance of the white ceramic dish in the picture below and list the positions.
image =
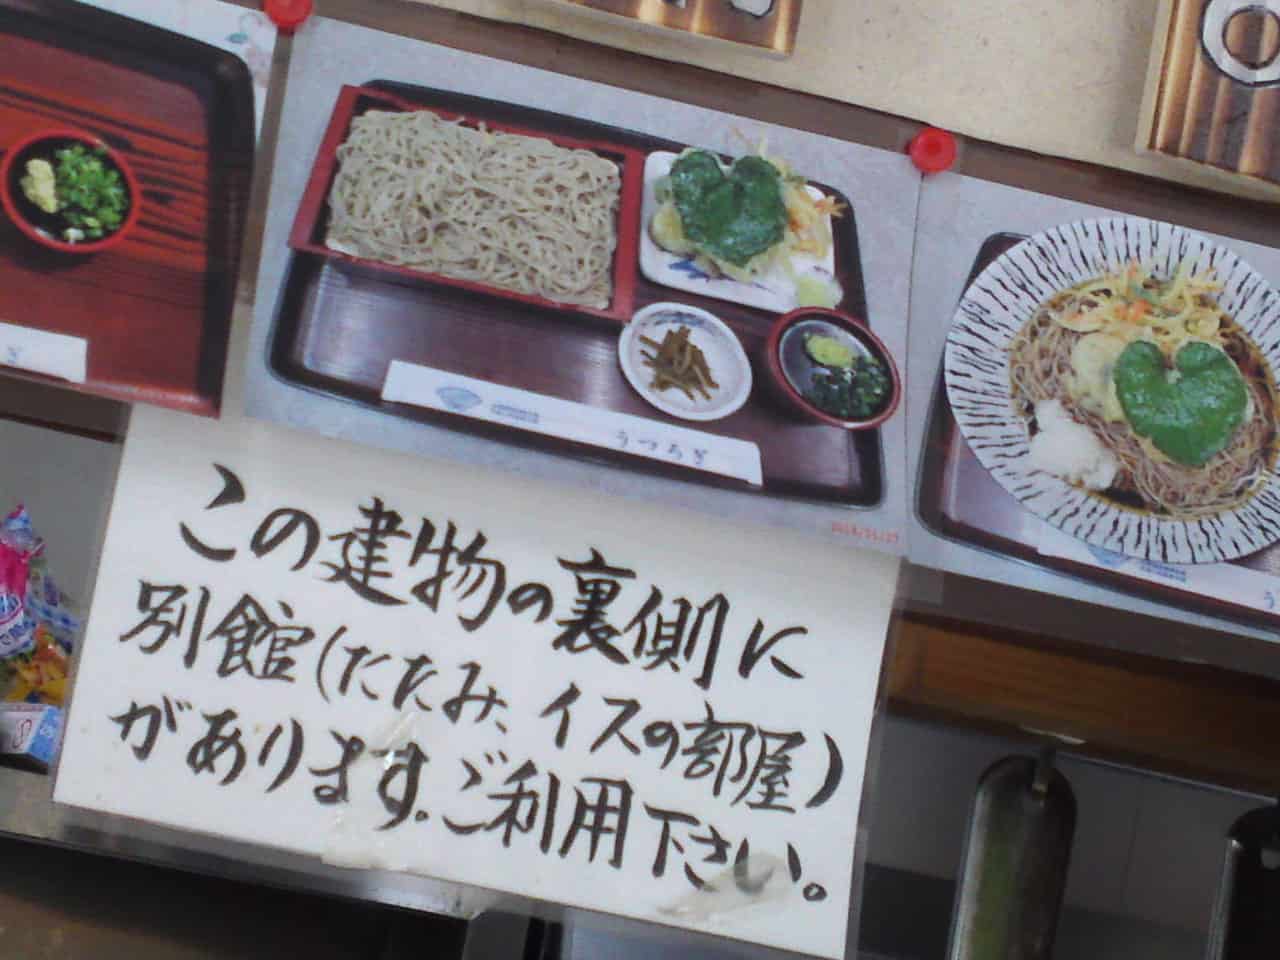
(774, 291)
(976, 367)
(725, 357)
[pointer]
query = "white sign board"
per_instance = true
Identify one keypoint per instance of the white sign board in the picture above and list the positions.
(391, 663)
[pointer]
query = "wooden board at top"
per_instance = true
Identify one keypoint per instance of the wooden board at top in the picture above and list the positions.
(773, 33)
(1213, 86)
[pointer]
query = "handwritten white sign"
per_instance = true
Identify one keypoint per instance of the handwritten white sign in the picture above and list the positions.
(391, 663)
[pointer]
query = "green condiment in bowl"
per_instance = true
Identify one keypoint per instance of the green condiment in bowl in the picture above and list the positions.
(829, 351)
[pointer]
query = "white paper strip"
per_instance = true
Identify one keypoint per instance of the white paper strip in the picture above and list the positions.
(434, 389)
(1224, 581)
(39, 351)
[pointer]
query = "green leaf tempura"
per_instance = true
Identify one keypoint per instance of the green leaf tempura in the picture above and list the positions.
(1190, 412)
(734, 216)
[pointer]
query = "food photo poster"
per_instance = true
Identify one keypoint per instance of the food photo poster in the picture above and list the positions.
(1093, 405)
(127, 145)
(714, 313)
(472, 260)
(691, 307)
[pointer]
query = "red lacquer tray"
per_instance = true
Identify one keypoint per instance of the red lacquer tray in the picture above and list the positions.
(155, 310)
(312, 220)
(958, 499)
(340, 323)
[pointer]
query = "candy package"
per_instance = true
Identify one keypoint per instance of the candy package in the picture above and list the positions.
(38, 625)
(17, 547)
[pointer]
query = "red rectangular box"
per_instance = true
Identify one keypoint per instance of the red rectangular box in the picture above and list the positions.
(309, 225)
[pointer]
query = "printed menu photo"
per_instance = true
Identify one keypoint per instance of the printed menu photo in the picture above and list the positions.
(1095, 406)
(127, 157)
(475, 260)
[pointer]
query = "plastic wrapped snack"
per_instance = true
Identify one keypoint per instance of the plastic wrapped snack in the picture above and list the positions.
(40, 675)
(17, 628)
(38, 626)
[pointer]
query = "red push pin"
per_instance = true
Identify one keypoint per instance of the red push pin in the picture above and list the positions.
(288, 15)
(932, 150)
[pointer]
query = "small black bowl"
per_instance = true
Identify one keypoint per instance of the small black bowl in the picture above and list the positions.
(791, 368)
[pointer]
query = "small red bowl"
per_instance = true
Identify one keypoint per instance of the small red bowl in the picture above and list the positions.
(27, 217)
(789, 365)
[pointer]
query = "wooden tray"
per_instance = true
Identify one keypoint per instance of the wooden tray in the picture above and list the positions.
(958, 499)
(339, 325)
(155, 310)
(715, 20)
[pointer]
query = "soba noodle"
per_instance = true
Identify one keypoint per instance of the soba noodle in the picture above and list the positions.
(1040, 369)
(496, 208)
